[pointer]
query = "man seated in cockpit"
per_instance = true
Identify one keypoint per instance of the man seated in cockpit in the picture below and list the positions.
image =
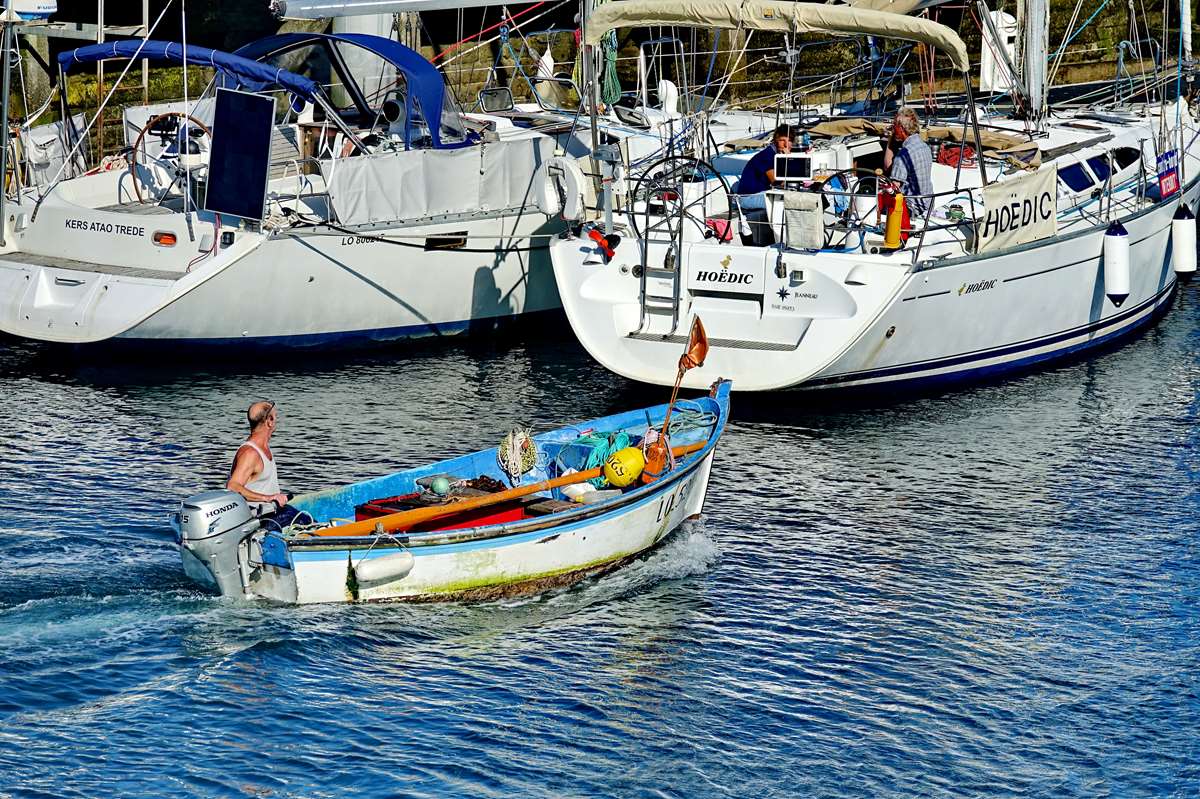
(759, 172)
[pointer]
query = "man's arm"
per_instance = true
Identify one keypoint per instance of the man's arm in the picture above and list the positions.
(246, 466)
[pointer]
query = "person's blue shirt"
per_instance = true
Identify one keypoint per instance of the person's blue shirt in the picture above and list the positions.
(754, 176)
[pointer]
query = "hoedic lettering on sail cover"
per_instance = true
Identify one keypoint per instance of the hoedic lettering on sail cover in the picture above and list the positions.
(1019, 211)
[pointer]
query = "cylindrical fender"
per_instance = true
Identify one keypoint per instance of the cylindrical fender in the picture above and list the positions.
(558, 187)
(1183, 241)
(1116, 263)
(384, 568)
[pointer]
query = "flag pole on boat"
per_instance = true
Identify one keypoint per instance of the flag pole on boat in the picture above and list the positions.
(7, 19)
(658, 452)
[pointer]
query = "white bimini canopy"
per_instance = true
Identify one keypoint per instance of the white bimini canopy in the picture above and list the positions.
(787, 17)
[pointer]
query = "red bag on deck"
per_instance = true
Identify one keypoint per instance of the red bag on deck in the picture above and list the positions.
(950, 154)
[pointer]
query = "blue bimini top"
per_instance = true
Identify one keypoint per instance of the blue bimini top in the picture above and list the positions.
(239, 71)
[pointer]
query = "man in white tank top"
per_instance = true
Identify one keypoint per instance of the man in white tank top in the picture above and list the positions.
(254, 474)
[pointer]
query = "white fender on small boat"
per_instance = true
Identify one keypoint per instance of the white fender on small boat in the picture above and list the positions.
(1116, 263)
(558, 188)
(384, 568)
(1183, 241)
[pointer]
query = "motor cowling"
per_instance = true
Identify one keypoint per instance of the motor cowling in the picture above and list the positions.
(209, 529)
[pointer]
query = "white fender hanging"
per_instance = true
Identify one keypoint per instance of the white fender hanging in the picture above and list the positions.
(1116, 263)
(384, 568)
(1183, 241)
(558, 188)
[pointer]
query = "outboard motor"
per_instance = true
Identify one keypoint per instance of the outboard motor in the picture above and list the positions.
(210, 529)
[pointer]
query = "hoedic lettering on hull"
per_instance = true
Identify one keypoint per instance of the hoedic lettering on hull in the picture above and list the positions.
(737, 278)
(725, 275)
(1019, 211)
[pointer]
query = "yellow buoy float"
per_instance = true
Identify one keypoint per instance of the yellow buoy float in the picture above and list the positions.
(624, 466)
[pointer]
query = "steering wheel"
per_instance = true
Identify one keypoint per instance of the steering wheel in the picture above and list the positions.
(188, 120)
(665, 181)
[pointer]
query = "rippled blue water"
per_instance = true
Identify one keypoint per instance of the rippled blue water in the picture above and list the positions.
(987, 593)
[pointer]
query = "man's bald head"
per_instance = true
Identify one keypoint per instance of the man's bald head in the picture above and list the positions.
(258, 413)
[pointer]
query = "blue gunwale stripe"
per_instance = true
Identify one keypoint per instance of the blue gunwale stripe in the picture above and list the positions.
(505, 535)
(996, 352)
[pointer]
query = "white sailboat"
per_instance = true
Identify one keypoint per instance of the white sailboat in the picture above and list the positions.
(1067, 232)
(282, 208)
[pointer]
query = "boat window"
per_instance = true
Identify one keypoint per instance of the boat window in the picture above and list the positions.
(1075, 177)
(376, 77)
(453, 130)
(311, 61)
(1099, 165)
(1124, 156)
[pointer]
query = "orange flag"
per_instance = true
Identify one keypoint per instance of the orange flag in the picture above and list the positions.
(697, 349)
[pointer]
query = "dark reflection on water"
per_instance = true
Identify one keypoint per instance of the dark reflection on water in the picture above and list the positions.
(986, 593)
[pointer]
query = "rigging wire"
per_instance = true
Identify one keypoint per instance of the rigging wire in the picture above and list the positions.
(69, 158)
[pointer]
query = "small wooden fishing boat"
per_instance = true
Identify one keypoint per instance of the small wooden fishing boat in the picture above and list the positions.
(452, 530)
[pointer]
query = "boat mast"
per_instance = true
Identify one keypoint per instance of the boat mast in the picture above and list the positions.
(1185, 42)
(1037, 32)
(8, 19)
(601, 161)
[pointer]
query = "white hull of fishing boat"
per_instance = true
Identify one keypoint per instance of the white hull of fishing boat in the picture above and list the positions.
(294, 288)
(868, 320)
(525, 564)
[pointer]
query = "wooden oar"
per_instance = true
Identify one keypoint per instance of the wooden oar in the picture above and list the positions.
(408, 518)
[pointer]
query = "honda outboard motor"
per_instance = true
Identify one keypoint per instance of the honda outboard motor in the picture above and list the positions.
(210, 529)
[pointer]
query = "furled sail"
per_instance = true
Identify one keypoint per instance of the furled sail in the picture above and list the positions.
(895, 6)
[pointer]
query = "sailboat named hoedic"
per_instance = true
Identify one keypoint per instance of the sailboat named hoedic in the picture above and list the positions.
(1046, 234)
(294, 204)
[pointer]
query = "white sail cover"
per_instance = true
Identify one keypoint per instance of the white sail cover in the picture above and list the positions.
(897, 6)
(764, 15)
(894, 6)
(322, 9)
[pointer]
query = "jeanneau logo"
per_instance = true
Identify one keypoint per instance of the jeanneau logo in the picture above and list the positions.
(983, 285)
